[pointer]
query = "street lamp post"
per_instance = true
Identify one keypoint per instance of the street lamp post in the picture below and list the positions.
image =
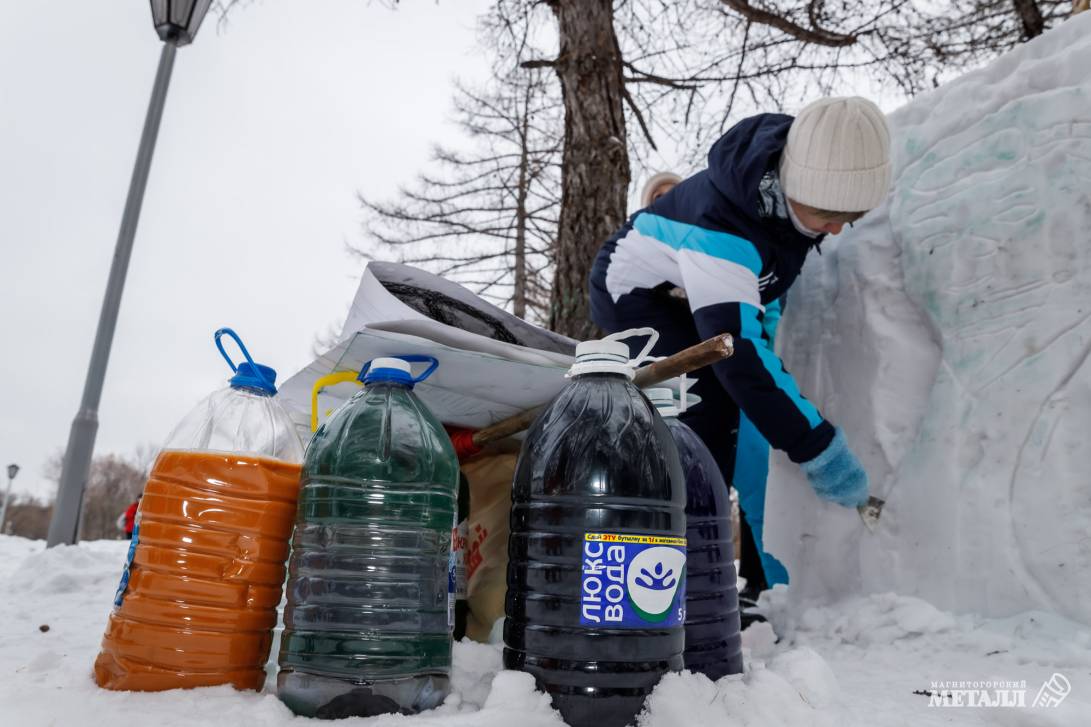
(13, 469)
(176, 22)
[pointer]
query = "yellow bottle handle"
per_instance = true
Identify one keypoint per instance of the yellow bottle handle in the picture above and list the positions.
(338, 377)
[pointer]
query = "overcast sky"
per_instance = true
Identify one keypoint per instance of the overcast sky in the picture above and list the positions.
(272, 125)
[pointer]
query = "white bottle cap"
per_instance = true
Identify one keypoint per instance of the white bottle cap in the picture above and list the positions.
(603, 350)
(663, 399)
(599, 357)
(390, 363)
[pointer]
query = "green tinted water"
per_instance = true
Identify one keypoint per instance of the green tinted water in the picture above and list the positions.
(367, 626)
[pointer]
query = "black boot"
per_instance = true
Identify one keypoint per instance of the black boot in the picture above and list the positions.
(749, 611)
(750, 569)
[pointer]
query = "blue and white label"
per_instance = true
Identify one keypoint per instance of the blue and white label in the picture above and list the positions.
(456, 570)
(124, 584)
(633, 581)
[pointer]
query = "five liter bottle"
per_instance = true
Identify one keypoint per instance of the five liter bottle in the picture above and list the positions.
(597, 553)
(197, 601)
(367, 628)
(713, 641)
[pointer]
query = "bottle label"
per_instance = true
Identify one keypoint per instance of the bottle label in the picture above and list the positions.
(459, 542)
(456, 570)
(633, 581)
(124, 584)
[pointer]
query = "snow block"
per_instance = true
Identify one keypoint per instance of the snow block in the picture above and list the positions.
(948, 334)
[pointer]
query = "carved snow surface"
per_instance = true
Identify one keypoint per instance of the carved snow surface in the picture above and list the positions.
(949, 334)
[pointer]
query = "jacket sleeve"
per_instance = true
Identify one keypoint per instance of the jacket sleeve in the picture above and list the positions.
(720, 275)
(770, 320)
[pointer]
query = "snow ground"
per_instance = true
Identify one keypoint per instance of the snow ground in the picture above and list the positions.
(856, 663)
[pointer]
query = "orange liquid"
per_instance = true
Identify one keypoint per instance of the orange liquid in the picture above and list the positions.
(206, 577)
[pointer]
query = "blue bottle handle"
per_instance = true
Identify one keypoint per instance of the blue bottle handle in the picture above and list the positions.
(242, 347)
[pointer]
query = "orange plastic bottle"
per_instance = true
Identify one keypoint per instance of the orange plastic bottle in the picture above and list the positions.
(197, 601)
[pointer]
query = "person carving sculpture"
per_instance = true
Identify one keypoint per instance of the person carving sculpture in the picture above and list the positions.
(734, 237)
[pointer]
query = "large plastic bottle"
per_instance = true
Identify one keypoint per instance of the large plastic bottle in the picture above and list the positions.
(596, 556)
(713, 639)
(367, 628)
(197, 601)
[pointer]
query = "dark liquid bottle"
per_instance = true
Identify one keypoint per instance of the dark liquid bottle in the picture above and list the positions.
(596, 557)
(713, 639)
(367, 624)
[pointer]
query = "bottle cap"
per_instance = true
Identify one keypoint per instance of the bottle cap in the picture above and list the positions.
(603, 350)
(394, 364)
(601, 357)
(254, 376)
(388, 369)
(397, 369)
(663, 399)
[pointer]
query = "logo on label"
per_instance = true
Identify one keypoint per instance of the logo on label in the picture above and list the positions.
(632, 581)
(653, 579)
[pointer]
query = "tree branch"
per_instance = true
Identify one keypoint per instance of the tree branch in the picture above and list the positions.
(639, 116)
(645, 77)
(815, 34)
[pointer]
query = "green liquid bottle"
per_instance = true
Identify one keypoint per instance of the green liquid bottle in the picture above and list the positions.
(367, 627)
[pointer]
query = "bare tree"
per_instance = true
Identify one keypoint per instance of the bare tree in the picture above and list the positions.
(973, 31)
(28, 517)
(485, 217)
(595, 161)
(674, 69)
(678, 70)
(114, 483)
(684, 69)
(706, 62)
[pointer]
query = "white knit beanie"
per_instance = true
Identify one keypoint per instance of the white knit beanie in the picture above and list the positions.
(838, 156)
(654, 183)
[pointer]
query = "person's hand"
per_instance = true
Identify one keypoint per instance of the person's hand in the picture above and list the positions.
(836, 475)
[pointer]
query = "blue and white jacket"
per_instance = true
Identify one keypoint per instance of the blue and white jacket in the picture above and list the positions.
(725, 237)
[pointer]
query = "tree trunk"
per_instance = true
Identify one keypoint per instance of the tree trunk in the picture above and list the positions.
(1031, 18)
(595, 164)
(519, 294)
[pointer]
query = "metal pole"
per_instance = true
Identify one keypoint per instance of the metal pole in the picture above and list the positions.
(64, 526)
(4, 509)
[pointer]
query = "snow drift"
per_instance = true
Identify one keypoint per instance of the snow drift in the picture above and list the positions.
(949, 334)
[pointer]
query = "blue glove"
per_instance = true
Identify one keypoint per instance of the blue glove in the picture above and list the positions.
(836, 475)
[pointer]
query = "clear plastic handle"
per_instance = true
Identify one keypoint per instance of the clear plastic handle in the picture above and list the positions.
(683, 393)
(653, 338)
(620, 363)
(684, 381)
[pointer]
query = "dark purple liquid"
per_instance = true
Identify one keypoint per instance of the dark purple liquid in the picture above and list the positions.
(713, 641)
(597, 460)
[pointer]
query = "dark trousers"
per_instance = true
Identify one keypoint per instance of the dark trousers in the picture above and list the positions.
(716, 418)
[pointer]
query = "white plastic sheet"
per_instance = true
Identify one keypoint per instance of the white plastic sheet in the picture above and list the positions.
(480, 380)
